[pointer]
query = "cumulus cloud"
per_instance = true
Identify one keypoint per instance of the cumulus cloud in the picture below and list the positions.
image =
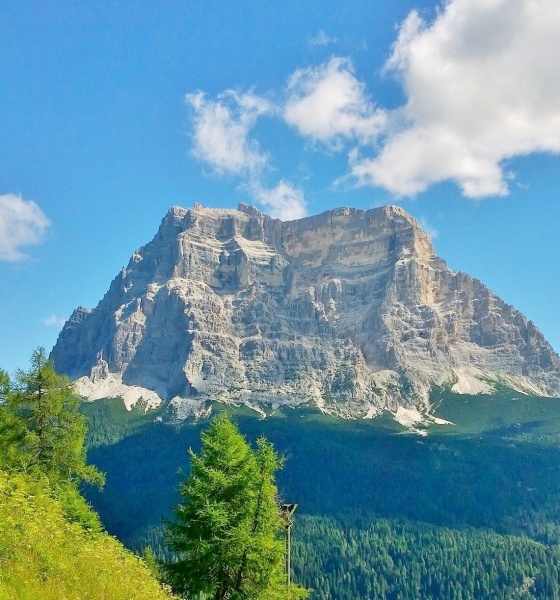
(221, 130)
(221, 135)
(322, 39)
(54, 321)
(22, 223)
(329, 104)
(284, 201)
(482, 85)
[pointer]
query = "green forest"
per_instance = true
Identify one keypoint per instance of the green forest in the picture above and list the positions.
(224, 542)
(468, 511)
(397, 559)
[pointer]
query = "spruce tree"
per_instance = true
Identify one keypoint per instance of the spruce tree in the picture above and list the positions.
(227, 530)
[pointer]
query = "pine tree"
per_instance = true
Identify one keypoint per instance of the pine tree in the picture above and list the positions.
(41, 428)
(227, 529)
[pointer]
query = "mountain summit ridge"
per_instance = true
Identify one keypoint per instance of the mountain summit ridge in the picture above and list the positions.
(350, 310)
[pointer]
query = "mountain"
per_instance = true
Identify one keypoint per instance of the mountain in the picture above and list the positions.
(349, 310)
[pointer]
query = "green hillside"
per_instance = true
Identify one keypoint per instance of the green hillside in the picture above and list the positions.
(353, 558)
(44, 556)
(52, 545)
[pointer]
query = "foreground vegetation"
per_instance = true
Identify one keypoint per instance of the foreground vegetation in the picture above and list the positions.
(45, 556)
(227, 535)
(226, 540)
(52, 545)
(469, 511)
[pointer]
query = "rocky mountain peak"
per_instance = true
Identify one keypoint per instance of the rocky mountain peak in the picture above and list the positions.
(350, 310)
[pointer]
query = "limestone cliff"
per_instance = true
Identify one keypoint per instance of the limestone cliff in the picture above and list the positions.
(350, 310)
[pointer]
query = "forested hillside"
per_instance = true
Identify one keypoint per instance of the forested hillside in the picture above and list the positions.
(352, 559)
(471, 510)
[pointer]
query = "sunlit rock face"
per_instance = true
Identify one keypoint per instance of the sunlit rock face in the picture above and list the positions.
(349, 310)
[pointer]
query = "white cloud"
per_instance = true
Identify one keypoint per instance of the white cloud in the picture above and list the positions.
(22, 223)
(221, 130)
(322, 39)
(329, 104)
(283, 202)
(482, 85)
(54, 321)
(221, 139)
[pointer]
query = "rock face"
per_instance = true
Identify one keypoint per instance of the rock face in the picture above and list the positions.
(350, 310)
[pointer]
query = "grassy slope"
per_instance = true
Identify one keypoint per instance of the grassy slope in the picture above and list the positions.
(45, 557)
(505, 413)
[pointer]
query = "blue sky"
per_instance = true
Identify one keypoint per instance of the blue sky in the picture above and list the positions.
(112, 112)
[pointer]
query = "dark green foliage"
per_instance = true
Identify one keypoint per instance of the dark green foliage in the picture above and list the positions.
(41, 428)
(357, 559)
(227, 527)
(360, 558)
(109, 420)
(483, 479)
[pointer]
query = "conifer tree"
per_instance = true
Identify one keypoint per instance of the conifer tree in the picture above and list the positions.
(41, 428)
(227, 529)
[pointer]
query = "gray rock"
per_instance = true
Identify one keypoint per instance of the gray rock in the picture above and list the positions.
(350, 310)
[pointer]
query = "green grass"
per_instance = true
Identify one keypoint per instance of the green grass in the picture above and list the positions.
(43, 556)
(505, 412)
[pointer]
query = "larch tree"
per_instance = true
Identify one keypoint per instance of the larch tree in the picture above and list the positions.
(41, 428)
(227, 531)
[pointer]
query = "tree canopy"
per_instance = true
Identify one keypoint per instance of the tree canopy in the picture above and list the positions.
(228, 529)
(41, 428)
